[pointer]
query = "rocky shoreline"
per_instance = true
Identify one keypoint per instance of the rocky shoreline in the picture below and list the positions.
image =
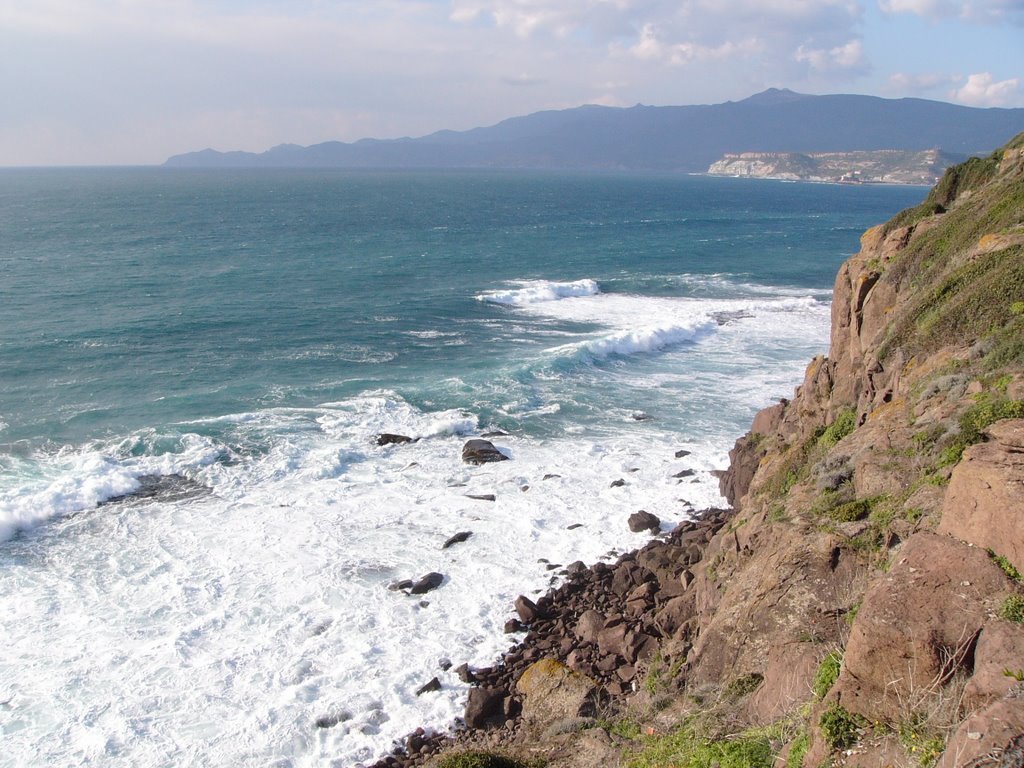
(605, 621)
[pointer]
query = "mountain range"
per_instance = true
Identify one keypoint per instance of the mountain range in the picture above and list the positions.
(668, 138)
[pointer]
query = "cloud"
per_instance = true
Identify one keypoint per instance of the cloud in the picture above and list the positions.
(979, 11)
(848, 57)
(983, 90)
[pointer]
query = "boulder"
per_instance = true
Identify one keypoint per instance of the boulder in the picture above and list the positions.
(643, 521)
(426, 583)
(479, 451)
(527, 610)
(484, 708)
(387, 438)
(917, 626)
(458, 538)
(991, 738)
(984, 503)
(589, 626)
(433, 685)
(1000, 650)
(551, 691)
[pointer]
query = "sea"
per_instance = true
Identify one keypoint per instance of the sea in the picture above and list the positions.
(198, 527)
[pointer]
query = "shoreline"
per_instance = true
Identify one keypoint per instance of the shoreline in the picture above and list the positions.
(605, 621)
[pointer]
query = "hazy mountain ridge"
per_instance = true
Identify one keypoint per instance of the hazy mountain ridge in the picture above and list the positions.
(675, 138)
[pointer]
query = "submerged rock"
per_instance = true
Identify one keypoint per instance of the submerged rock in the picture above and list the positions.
(458, 538)
(387, 438)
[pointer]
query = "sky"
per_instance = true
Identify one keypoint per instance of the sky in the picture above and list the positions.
(132, 82)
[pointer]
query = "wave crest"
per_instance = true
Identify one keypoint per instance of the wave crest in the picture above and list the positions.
(538, 291)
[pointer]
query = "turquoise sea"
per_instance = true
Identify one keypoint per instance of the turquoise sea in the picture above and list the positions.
(197, 527)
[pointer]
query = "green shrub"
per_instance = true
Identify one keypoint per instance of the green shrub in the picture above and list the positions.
(798, 749)
(1012, 609)
(481, 760)
(743, 685)
(857, 509)
(685, 748)
(844, 424)
(827, 674)
(840, 728)
(1007, 567)
(975, 420)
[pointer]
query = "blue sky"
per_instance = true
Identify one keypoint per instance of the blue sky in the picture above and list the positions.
(134, 81)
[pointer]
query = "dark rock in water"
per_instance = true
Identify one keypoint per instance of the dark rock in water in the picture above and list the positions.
(685, 473)
(641, 416)
(481, 452)
(485, 707)
(618, 483)
(331, 720)
(574, 526)
(458, 538)
(643, 521)
(527, 610)
(550, 477)
(482, 496)
(386, 438)
(495, 433)
(575, 567)
(163, 487)
(444, 664)
(430, 581)
(400, 585)
(433, 685)
(464, 673)
(681, 453)
(514, 625)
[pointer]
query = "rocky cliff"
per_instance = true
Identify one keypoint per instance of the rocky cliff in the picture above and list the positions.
(863, 604)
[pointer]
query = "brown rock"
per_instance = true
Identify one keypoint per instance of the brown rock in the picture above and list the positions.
(643, 521)
(917, 625)
(984, 504)
(479, 451)
(484, 708)
(996, 731)
(551, 691)
(589, 626)
(387, 438)
(527, 610)
(1000, 649)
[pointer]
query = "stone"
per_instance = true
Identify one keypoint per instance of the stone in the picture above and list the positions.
(482, 496)
(479, 451)
(427, 583)
(643, 521)
(551, 691)
(400, 585)
(685, 473)
(433, 685)
(464, 673)
(514, 625)
(527, 610)
(387, 438)
(484, 708)
(984, 503)
(681, 453)
(589, 626)
(458, 538)
(618, 483)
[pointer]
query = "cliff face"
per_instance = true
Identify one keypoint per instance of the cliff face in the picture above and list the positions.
(863, 605)
(881, 510)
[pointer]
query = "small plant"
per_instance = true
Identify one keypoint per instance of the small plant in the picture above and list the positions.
(743, 685)
(1006, 565)
(1017, 308)
(850, 511)
(1012, 609)
(975, 420)
(686, 748)
(925, 746)
(483, 760)
(844, 424)
(1016, 674)
(797, 750)
(840, 727)
(851, 615)
(827, 674)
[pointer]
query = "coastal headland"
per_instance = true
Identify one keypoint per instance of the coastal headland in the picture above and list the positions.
(862, 603)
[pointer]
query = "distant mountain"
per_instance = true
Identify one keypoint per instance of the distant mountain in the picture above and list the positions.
(660, 138)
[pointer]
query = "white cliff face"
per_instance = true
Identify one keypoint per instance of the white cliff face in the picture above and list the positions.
(871, 167)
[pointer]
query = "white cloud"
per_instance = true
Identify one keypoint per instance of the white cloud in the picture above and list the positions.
(983, 90)
(846, 57)
(980, 11)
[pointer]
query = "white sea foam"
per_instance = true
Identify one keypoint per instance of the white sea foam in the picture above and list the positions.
(217, 631)
(538, 291)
